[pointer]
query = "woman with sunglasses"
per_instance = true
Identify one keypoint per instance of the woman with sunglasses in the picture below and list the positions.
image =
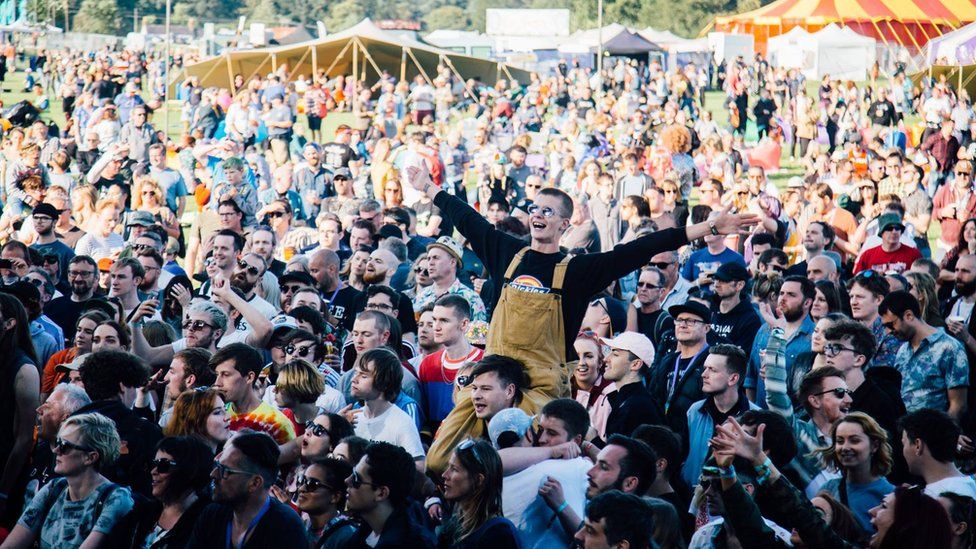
(200, 413)
(148, 196)
(61, 513)
(322, 497)
(180, 477)
(316, 442)
(860, 452)
(473, 485)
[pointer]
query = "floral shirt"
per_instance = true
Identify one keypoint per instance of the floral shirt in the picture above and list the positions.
(428, 296)
(939, 364)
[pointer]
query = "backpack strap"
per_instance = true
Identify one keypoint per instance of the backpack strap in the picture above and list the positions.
(340, 524)
(103, 497)
(59, 486)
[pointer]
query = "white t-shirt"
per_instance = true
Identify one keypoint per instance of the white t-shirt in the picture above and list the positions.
(263, 307)
(522, 504)
(964, 486)
(393, 426)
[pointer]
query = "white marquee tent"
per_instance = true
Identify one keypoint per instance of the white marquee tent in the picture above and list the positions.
(839, 52)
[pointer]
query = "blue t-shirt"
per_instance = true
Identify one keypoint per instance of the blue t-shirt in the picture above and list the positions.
(703, 259)
(861, 498)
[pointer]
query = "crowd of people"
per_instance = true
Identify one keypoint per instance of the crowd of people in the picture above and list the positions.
(575, 311)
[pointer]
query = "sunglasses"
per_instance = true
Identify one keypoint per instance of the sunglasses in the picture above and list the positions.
(544, 212)
(300, 351)
(37, 283)
(140, 247)
(357, 481)
(317, 430)
(248, 268)
(162, 466)
(289, 288)
(963, 174)
(50, 259)
(309, 484)
(62, 446)
(196, 325)
(225, 471)
(839, 392)
(419, 271)
(660, 264)
(276, 213)
(463, 380)
(648, 285)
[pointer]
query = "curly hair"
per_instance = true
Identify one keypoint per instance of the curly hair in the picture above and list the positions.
(104, 370)
(676, 139)
(881, 460)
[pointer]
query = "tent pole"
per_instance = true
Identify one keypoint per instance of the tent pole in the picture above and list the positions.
(301, 60)
(355, 80)
(419, 66)
(257, 70)
(342, 52)
(959, 89)
(403, 64)
(207, 74)
(450, 65)
(274, 62)
(369, 58)
(230, 77)
(315, 62)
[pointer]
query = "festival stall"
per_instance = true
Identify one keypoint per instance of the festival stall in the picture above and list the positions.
(955, 48)
(839, 52)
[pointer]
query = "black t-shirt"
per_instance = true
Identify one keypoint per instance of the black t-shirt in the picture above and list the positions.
(337, 155)
(586, 275)
(279, 527)
(341, 306)
(882, 113)
(428, 210)
(65, 312)
(647, 321)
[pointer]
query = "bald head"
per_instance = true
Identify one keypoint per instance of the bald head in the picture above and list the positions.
(820, 268)
(323, 265)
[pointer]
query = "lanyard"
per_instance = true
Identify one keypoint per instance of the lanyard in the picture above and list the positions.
(673, 385)
(254, 523)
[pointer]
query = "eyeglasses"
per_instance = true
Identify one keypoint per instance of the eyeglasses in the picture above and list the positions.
(383, 306)
(62, 446)
(687, 321)
(309, 484)
(300, 351)
(196, 325)
(660, 264)
(316, 429)
(225, 471)
(544, 212)
(839, 392)
(833, 349)
(247, 267)
(162, 466)
(357, 481)
(648, 285)
(80, 274)
(41, 218)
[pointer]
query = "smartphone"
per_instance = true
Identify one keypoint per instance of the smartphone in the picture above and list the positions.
(6, 264)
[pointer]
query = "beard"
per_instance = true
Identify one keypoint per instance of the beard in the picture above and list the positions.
(240, 281)
(374, 277)
(966, 289)
(793, 315)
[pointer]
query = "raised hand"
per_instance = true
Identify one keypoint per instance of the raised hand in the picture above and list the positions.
(731, 439)
(729, 223)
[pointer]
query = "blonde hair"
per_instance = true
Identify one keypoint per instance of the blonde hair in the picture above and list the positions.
(98, 433)
(142, 183)
(299, 381)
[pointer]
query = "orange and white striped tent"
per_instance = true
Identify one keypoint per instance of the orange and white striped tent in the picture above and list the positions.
(908, 23)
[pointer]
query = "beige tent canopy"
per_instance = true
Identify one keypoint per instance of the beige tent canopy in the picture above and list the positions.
(364, 49)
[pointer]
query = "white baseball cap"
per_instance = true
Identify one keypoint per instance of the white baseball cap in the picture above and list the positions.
(634, 342)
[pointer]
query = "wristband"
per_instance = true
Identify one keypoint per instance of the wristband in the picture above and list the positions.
(711, 228)
(764, 471)
(431, 502)
(727, 473)
(562, 507)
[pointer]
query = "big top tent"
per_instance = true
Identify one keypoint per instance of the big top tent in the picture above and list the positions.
(907, 23)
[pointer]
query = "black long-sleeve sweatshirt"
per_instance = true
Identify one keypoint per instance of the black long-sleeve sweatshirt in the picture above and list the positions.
(586, 275)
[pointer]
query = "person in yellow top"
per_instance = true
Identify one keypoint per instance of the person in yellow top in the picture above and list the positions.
(541, 293)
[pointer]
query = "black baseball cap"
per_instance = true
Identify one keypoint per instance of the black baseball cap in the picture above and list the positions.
(727, 272)
(691, 306)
